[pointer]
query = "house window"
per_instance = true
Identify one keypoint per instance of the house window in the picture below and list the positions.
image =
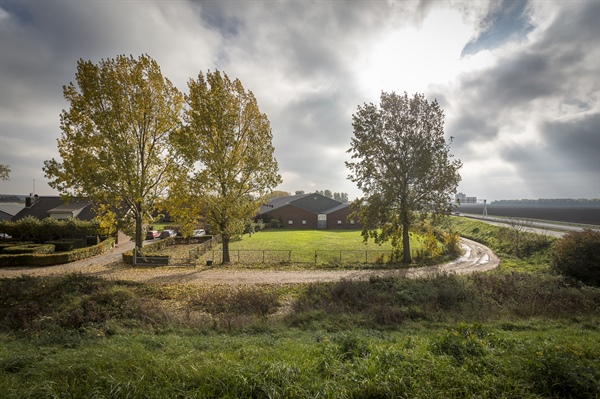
(290, 222)
(339, 222)
(304, 222)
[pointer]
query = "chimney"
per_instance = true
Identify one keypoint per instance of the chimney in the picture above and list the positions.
(29, 201)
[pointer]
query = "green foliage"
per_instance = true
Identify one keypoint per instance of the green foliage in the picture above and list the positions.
(4, 172)
(462, 343)
(577, 255)
(404, 166)
(57, 258)
(116, 143)
(232, 141)
(29, 249)
(50, 229)
(81, 336)
(568, 371)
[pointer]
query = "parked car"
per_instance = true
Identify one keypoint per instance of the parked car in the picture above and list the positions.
(167, 233)
(198, 233)
(152, 234)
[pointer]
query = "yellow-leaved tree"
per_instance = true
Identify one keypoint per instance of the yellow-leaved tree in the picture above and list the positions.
(116, 143)
(229, 141)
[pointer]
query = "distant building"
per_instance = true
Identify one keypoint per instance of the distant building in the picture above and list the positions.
(463, 199)
(53, 206)
(308, 211)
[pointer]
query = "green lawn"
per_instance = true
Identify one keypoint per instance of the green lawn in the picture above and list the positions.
(300, 246)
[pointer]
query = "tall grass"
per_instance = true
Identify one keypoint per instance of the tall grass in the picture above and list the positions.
(505, 334)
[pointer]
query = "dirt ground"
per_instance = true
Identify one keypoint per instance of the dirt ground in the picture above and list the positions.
(475, 258)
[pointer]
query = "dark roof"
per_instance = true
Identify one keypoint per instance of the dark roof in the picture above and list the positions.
(43, 206)
(278, 202)
(313, 202)
(11, 208)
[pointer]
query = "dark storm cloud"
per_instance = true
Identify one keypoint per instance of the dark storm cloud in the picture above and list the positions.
(571, 152)
(311, 63)
(562, 65)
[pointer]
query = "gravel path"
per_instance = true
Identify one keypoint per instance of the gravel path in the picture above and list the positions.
(475, 258)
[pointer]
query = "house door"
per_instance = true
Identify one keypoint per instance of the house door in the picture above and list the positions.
(321, 221)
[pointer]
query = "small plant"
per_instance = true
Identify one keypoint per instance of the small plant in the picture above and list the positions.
(577, 255)
(566, 372)
(462, 342)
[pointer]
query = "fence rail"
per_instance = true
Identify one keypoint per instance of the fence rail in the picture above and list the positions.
(317, 256)
(165, 260)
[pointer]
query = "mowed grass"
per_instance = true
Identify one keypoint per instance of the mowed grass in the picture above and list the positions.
(307, 240)
(344, 248)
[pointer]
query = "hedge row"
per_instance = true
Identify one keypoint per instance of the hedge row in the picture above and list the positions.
(29, 249)
(149, 249)
(56, 258)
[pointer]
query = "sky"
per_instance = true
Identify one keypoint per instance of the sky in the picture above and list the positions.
(519, 82)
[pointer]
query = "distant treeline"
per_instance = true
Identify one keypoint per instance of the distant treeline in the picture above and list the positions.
(567, 202)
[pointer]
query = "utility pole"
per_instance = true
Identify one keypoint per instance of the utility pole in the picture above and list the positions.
(484, 208)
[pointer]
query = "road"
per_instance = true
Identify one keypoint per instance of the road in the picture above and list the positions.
(475, 258)
(535, 226)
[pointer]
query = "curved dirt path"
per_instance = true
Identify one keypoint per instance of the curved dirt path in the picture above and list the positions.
(475, 258)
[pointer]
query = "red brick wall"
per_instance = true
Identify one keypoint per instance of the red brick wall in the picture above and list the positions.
(296, 215)
(341, 215)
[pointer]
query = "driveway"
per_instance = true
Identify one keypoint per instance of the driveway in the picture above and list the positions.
(475, 258)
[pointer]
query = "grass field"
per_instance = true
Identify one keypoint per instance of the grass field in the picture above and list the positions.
(517, 332)
(344, 248)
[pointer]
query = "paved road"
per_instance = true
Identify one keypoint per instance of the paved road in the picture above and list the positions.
(475, 258)
(536, 226)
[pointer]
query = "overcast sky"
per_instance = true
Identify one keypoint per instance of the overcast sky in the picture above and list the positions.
(519, 81)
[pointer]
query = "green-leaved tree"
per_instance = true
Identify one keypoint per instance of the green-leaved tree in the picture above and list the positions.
(402, 164)
(4, 172)
(116, 143)
(230, 142)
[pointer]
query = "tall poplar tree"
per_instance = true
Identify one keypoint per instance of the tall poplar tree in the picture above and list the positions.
(230, 142)
(402, 165)
(116, 142)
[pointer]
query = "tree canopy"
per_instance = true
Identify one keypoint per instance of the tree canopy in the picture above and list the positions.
(4, 172)
(402, 164)
(116, 143)
(230, 142)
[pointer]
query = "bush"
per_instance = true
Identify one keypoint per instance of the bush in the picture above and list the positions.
(576, 255)
(29, 249)
(66, 244)
(50, 259)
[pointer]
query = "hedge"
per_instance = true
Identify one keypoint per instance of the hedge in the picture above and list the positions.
(29, 249)
(8, 244)
(58, 258)
(67, 245)
(151, 249)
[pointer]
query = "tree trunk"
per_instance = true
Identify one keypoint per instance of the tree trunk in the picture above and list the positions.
(406, 243)
(139, 237)
(225, 246)
(405, 233)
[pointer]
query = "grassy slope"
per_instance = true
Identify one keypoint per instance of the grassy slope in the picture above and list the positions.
(500, 334)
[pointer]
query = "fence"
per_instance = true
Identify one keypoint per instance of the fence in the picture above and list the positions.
(177, 260)
(317, 256)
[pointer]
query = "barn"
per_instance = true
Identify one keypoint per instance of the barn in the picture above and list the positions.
(309, 211)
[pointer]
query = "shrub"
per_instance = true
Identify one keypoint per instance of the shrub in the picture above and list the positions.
(576, 255)
(66, 244)
(49, 259)
(30, 249)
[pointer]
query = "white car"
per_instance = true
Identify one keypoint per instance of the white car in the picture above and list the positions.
(198, 233)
